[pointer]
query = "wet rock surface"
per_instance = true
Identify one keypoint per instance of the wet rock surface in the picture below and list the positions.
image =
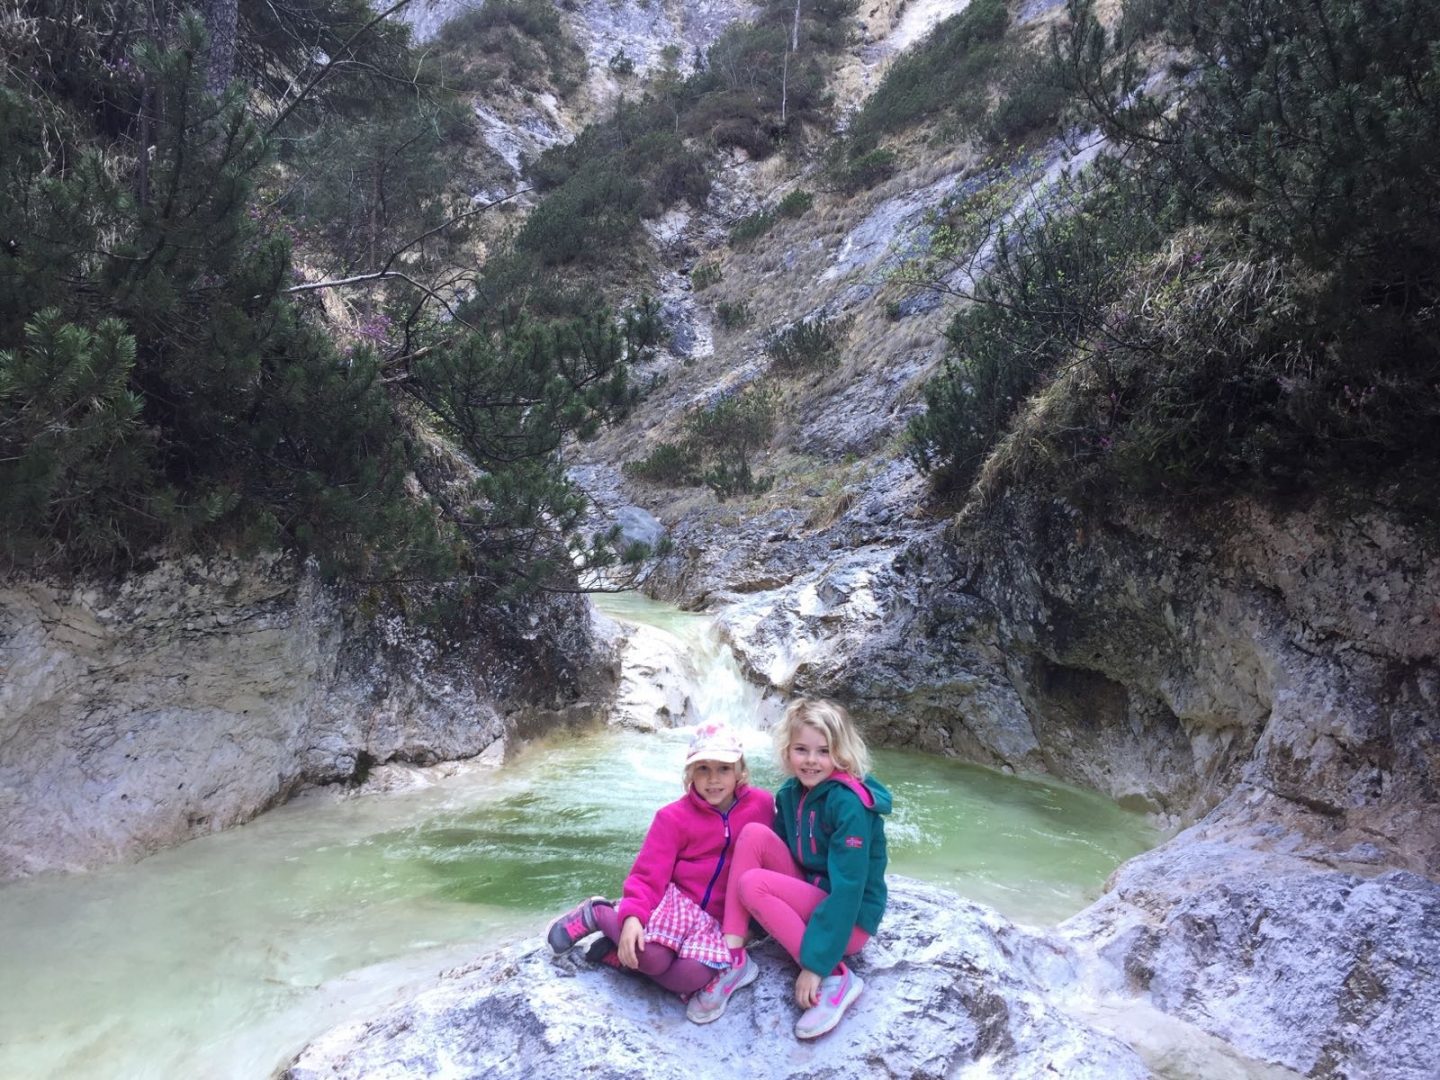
(951, 989)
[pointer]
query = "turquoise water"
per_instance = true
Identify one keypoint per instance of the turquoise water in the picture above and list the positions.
(220, 958)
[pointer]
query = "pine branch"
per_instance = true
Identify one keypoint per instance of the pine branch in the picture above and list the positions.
(341, 55)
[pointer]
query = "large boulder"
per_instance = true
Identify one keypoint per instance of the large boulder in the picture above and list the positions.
(1288, 946)
(951, 989)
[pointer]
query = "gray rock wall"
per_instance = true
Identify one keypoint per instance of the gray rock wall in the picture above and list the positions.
(1297, 652)
(137, 714)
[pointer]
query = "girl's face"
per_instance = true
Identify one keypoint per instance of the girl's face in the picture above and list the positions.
(715, 781)
(809, 756)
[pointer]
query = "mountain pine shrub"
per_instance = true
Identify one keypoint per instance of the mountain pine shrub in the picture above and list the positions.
(807, 345)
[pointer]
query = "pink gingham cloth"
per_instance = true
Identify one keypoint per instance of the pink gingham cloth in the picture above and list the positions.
(681, 924)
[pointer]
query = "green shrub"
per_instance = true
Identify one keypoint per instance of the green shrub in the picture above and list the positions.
(795, 203)
(589, 215)
(947, 73)
(751, 227)
(806, 345)
(1053, 273)
(955, 74)
(704, 275)
(1032, 95)
(668, 463)
(851, 175)
(733, 316)
(1243, 297)
(728, 434)
(517, 41)
(642, 326)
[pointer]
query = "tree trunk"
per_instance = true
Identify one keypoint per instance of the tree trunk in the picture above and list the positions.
(220, 22)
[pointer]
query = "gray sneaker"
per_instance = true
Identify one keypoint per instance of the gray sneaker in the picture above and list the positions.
(707, 1005)
(836, 994)
(577, 923)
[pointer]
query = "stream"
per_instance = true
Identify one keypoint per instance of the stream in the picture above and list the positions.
(222, 957)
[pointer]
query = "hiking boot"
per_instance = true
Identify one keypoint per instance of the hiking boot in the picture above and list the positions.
(836, 994)
(709, 1003)
(577, 923)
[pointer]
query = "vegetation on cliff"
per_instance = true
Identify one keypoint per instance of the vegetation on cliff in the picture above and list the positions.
(1242, 292)
(166, 377)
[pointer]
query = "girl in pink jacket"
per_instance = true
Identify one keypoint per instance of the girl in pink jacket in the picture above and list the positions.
(667, 923)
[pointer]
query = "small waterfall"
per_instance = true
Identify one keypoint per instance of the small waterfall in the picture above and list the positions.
(703, 670)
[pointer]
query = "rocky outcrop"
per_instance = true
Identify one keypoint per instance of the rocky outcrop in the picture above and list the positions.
(641, 29)
(139, 713)
(1298, 652)
(952, 989)
(1157, 658)
(1286, 949)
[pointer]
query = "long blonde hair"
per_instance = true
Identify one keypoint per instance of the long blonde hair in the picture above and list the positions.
(847, 746)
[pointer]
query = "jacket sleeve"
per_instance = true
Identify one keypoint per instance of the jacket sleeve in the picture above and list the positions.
(653, 869)
(848, 867)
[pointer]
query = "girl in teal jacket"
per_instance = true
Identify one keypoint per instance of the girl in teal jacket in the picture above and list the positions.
(816, 881)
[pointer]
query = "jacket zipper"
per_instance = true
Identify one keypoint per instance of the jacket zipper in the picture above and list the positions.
(799, 809)
(720, 864)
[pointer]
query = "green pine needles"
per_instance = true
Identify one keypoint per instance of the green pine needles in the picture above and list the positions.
(1243, 295)
(163, 385)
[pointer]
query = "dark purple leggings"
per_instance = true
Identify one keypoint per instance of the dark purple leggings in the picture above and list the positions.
(677, 974)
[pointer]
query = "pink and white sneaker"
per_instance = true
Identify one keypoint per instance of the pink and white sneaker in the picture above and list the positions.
(707, 1005)
(836, 994)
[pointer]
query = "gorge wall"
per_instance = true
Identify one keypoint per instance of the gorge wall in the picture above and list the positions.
(1161, 655)
(139, 713)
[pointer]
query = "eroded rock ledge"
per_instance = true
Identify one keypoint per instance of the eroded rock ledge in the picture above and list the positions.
(139, 713)
(1292, 953)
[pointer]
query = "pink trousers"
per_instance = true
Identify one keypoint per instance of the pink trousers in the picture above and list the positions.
(678, 974)
(765, 882)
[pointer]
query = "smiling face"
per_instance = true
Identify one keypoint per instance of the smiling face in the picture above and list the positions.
(809, 756)
(715, 782)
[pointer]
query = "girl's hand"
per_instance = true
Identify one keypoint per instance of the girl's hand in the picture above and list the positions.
(807, 989)
(631, 943)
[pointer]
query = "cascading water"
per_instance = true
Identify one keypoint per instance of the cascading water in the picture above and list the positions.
(220, 958)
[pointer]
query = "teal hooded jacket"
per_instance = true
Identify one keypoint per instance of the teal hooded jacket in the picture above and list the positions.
(836, 833)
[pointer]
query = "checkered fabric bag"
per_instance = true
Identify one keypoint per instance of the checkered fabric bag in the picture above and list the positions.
(681, 924)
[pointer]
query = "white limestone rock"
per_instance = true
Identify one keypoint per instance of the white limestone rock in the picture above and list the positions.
(1288, 953)
(951, 989)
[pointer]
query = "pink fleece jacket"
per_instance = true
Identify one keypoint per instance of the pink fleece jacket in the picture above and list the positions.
(691, 843)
